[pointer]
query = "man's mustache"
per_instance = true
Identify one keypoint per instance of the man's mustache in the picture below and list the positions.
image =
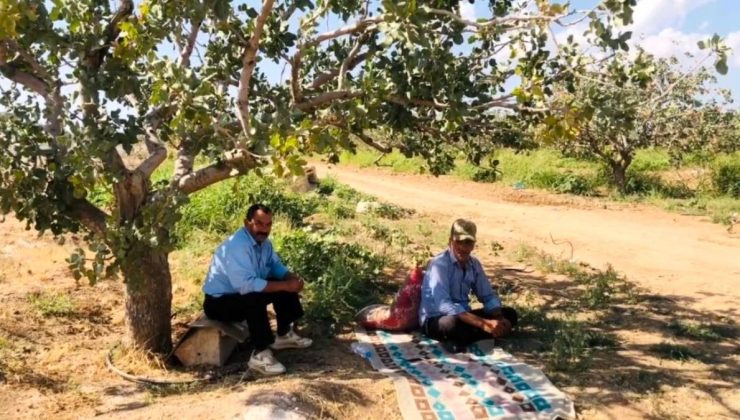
(261, 233)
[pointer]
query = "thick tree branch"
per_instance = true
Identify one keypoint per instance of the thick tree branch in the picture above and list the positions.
(95, 57)
(328, 76)
(347, 61)
(382, 148)
(501, 102)
(90, 216)
(234, 163)
(36, 80)
(295, 63)
(186, 52)
(249, 62)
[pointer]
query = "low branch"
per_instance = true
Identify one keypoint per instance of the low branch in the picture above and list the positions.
(382, 148)
(90, 216)
(362, 136)
(249, 62)
(186, 52)
(235, 162)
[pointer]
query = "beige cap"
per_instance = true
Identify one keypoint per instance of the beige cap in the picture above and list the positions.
(463, 230)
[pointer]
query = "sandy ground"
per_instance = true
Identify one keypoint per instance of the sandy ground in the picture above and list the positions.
(58, 362)
(684, 258)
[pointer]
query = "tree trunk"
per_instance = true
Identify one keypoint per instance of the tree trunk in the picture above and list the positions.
(619, 170)
(148, 300)
(619, 176)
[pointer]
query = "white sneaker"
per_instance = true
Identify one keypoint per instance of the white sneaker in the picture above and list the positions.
(291, 340)
(265, 363)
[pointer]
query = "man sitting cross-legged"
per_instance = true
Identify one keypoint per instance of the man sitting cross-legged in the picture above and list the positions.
(245, 276)
(445, 314)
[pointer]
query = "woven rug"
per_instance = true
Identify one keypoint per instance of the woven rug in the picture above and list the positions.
(485, 382)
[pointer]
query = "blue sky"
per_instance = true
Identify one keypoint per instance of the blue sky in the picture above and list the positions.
(673, 27)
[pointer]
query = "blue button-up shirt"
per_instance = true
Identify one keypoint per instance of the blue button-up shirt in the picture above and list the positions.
(446, 287)
(242, 265)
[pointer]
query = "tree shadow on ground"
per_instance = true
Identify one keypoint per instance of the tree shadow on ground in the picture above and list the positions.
(630, 349)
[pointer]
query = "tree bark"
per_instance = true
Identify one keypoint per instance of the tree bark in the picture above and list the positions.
(146, 272)
(619, 174)
(148, 300)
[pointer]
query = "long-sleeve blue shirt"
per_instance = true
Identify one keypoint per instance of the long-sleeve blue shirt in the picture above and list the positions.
(446, 287)
(242, 265)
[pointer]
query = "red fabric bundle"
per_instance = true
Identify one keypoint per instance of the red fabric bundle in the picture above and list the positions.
(402, 314)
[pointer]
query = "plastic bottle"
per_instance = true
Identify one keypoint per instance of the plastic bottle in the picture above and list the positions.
(363, 349)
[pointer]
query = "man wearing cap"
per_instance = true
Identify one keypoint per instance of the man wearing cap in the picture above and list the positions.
(445, 313)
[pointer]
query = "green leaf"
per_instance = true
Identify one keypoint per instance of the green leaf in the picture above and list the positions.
(721, 66)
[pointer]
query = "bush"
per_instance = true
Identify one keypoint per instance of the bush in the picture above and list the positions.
(726, 179)
(221, 208)
(643, 183)
(564, 183)
(341, 277)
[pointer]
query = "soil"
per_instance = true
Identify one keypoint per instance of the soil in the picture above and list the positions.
(686, 266)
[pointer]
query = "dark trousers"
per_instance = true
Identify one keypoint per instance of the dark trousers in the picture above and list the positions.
(451, 329)
(252, 308)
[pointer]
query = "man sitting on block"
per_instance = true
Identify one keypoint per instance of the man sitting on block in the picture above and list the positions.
(245, 276)
(445, 314)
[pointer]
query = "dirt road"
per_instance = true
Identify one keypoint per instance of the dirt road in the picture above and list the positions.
(685, 258)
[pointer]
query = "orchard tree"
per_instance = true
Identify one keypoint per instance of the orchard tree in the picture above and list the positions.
(244, 86)
(621, 102)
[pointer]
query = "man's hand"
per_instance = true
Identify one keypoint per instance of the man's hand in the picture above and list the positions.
(497, 327)
(294, 284)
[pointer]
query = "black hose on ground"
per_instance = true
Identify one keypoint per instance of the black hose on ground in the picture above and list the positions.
(228, 370)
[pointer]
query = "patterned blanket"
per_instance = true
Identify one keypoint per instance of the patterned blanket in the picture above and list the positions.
(482, 383)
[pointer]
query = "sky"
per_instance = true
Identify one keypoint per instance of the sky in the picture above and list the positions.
(672, 27)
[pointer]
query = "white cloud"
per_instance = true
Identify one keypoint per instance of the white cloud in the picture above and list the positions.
(672, 42)
(467, 10)
(652, 16)
(733, 41)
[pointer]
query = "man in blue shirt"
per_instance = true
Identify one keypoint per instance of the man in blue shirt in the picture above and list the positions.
(445, 313)
(245, 276)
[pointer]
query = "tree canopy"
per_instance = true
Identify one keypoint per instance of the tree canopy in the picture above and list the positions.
(244, 86)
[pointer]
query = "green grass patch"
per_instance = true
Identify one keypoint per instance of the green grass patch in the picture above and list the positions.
(569, 344)
(673, 351)
(600, 287)
(701, 331)
(341, 277)
(395, 161)
(52, 304)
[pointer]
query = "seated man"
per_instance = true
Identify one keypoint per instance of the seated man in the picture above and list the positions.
(245, 276)
(445, 313)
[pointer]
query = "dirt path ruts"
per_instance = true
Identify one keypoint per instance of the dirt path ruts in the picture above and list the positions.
(682, 257)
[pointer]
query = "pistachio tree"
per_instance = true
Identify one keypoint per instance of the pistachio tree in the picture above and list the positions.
(241, 86)
(623, 101)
